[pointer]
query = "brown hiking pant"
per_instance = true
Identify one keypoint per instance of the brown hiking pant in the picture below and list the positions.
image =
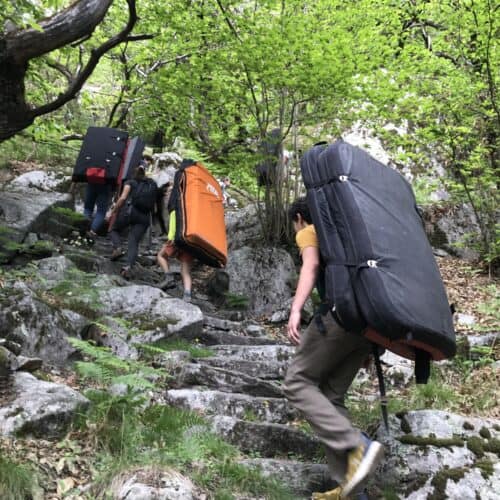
(316, 383)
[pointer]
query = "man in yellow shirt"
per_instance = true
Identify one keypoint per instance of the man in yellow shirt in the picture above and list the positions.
(328, 358)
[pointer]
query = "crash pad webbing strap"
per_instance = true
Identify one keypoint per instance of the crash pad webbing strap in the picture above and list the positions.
(422, 366)
(381, 385)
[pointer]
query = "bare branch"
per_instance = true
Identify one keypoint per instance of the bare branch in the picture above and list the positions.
(95, 56)
(83, 17)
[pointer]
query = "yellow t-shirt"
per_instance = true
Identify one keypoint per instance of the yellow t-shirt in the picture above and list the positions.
(306, 238)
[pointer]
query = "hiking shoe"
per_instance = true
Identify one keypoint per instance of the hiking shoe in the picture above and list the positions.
(335, 495)
(328, 495)
(168, 282)
(91, 235)
(186, 297)
(361, 462)
(117, 253)
(125, 272)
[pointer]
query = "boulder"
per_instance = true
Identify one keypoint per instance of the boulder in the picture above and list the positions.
(153, 484)
(270, 440)
(28, 211)
(243, 227)
(225, 380)
(37, 179)
(242, 406)
(449, 228)
(53, 270)
(40, 329)
(436, 454)
(301, 478)
(40, 409)
(153, 311)
(265, 276)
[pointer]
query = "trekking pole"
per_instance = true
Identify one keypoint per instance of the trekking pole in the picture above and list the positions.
(381, 386)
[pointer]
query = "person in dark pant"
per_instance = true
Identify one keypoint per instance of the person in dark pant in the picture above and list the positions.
(133, 211)
(96, 196)
(328, 358)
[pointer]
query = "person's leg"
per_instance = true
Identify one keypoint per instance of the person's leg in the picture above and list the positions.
(320, 359)
(187, 281)
(135, 235)
(162, 258)
(119, 226)
(102, 201)
(90, 200)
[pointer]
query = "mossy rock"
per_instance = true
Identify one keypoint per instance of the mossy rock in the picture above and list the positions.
(441, 478)
(431, 440)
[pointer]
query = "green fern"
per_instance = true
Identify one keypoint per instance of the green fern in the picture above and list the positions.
(237, 301)
(106, 368)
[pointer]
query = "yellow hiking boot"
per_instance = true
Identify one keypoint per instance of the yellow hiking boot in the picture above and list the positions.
(328, 495)
(361, 463)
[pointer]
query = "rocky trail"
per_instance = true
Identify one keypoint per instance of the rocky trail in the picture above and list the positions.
(228, 368)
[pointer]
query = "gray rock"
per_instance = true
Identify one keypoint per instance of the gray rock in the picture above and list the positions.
(28, 211)
(240, 406)
(53, 270)
(6, 361)
(41, 409)
(465, 319)
(243, 227)
(153, 484)
(255, 331)
(399, 371)
(172, 360)
(12, 346)
(43, 328)
(268, 370)
(415, 453)
(145, 305)
(301, 478)
(274, 353)
(226, 380)
(217, 337)
(270, 440)
(37, 179)
(265, 276)
(450, 230)
(25, 364)
(220, 323)
(282, 314)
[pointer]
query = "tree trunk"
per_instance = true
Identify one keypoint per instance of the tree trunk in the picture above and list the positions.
(18, 47)
(15, 114)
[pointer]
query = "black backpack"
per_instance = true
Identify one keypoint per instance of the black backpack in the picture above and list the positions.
(144, 195)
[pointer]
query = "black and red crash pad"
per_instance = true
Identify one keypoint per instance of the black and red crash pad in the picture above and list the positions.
(380, 272)
(101, 156)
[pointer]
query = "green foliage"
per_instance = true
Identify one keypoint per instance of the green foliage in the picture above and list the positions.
(16, 480)
(69, 215)
(235, 301)
(106, 368)
(77, 292)
(127, 432)
(168, 345)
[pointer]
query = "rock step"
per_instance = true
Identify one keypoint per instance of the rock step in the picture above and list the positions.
(268, 439)
(301, 478)
(220, 338)
(242, 406)
(277, 353)
(191, 374)
(257, 369)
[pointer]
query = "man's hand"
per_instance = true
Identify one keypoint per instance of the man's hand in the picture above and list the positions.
(293, 327)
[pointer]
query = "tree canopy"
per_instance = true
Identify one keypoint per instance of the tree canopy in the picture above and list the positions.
(220, 74)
